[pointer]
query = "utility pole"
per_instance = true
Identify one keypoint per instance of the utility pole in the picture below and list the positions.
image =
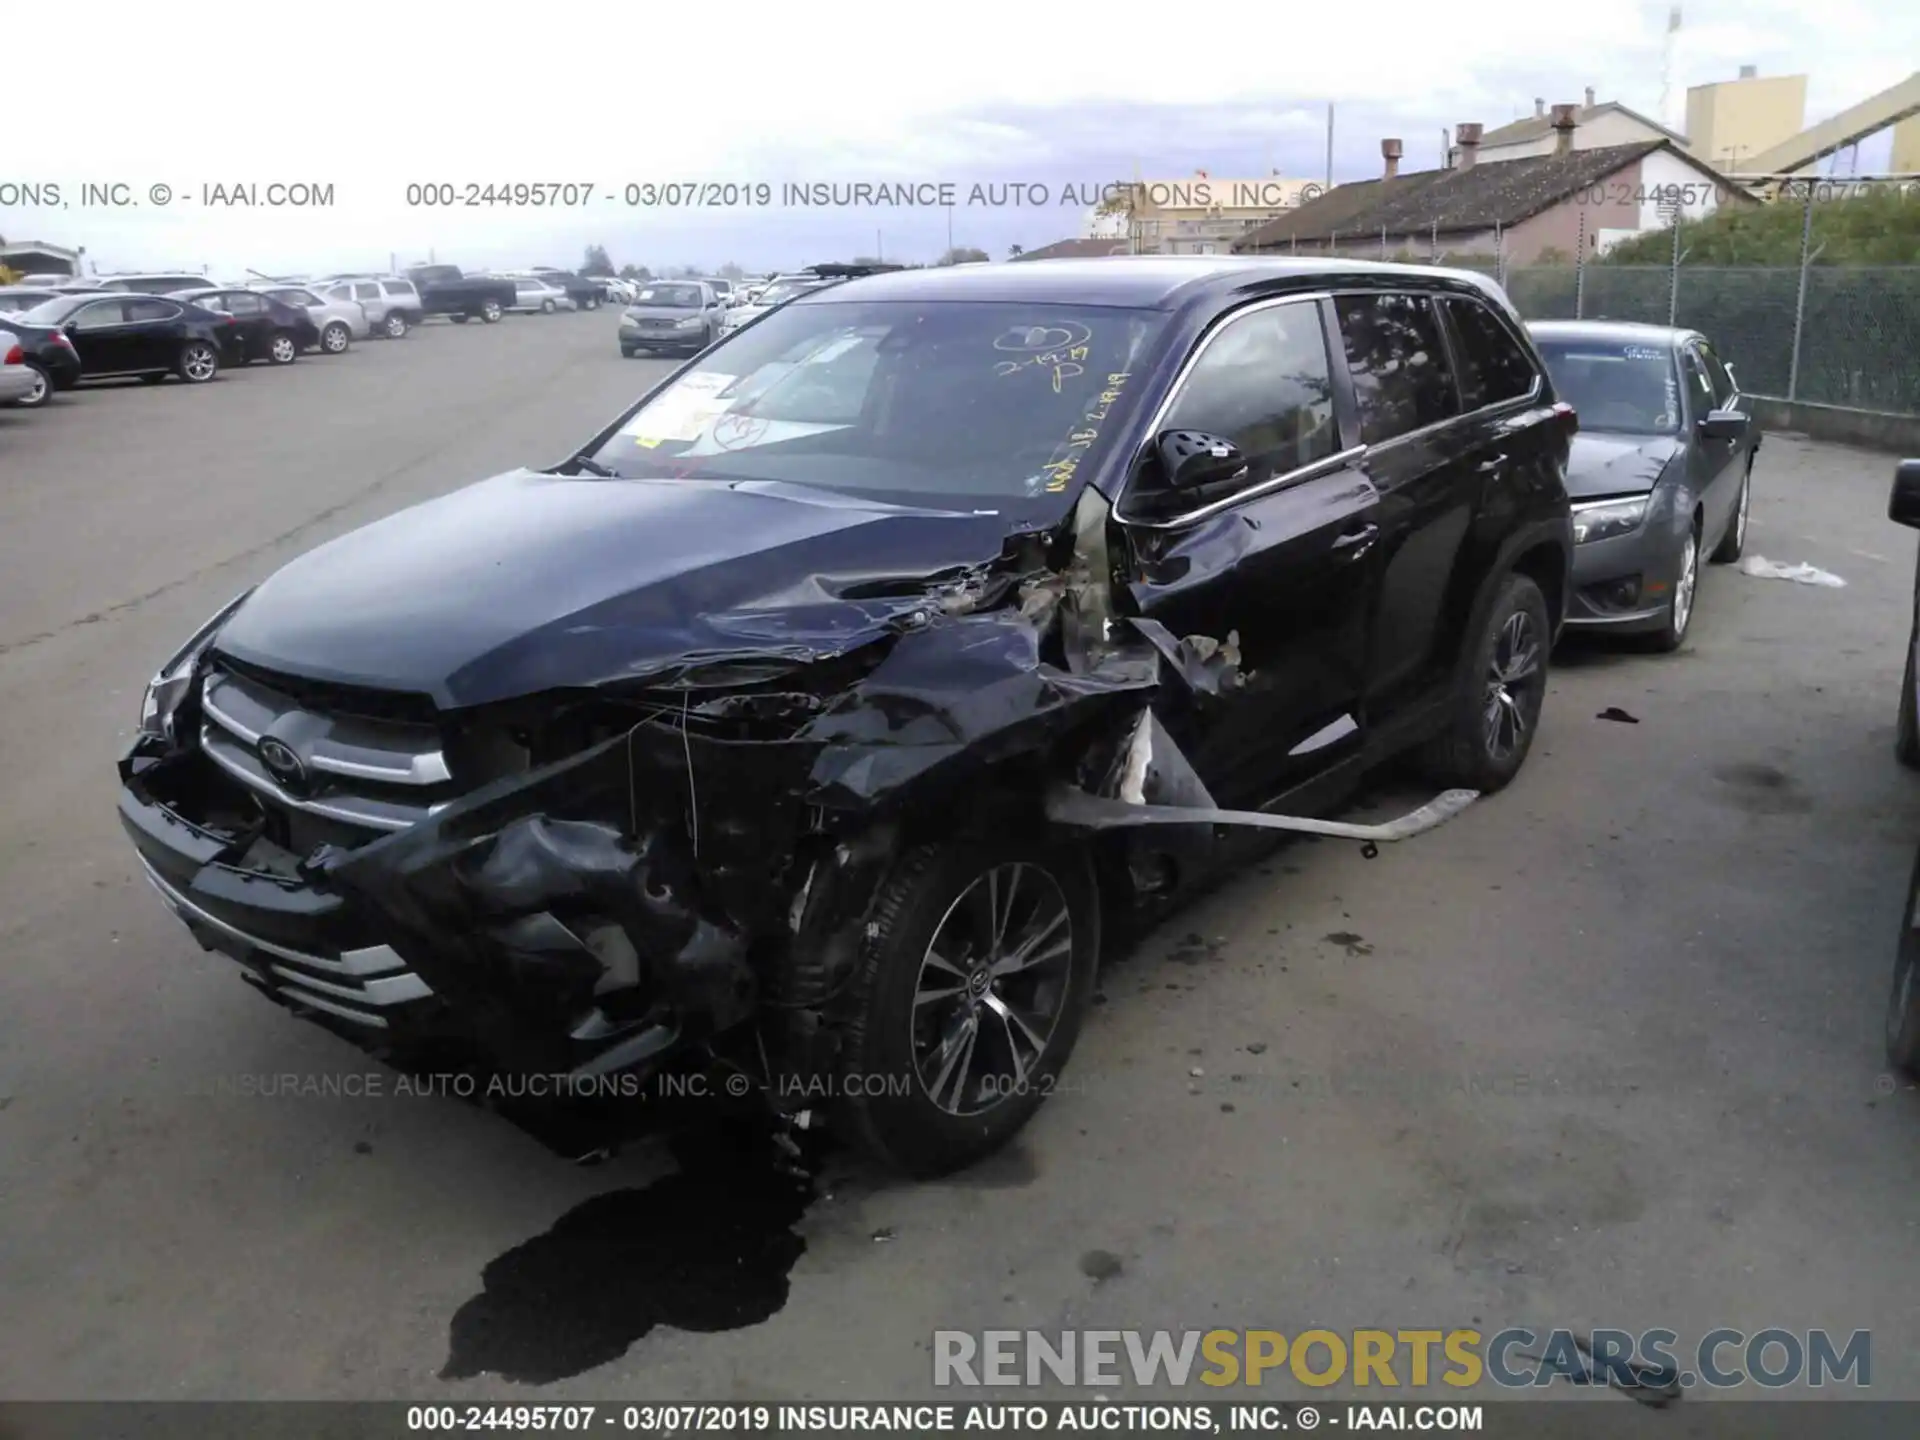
(1329, 145)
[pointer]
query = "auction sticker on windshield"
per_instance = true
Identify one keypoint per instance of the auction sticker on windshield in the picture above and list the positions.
(683, 413)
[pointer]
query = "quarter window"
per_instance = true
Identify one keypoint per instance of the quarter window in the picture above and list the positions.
(1263, 383)
(1720, 377)
(1493, 367)
(1399, 368)
(1697, 381)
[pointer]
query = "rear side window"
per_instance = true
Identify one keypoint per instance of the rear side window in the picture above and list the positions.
(1493, 367)
(243, 304)
(151, 310)
(1262, 382)
(367, 292)
(100, 314)
(397, 287)
(1399, 367)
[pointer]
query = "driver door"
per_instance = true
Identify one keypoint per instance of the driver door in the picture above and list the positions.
(1279, 558)
(106, 343)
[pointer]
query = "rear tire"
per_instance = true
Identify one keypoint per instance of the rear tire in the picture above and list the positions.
(1906, 739)
(940, 1008)
(42, 392)
(627, 352)
(394, 327)
(199, 362)
(1735, 540)
(1497, 709)
(335, 338)
(547, 307)
(282, 348)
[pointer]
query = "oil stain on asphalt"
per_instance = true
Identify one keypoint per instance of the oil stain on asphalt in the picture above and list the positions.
(704, 1249)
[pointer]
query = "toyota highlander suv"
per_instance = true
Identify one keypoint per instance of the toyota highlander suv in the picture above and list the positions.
(814, 717)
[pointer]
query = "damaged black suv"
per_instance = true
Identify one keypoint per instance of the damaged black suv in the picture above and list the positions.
(815, 717)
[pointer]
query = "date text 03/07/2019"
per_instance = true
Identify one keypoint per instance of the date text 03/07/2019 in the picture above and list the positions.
(918, 1418)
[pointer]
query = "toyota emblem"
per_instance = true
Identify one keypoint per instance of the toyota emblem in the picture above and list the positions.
(282, 763)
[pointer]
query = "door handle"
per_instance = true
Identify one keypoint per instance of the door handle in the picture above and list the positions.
(1355, 543)
(1492, 465)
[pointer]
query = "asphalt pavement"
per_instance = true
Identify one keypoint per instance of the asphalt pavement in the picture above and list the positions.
(1604, 1051)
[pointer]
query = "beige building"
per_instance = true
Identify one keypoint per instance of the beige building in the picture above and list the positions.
(1202, 214)
(1730, 123)
(1906, 147)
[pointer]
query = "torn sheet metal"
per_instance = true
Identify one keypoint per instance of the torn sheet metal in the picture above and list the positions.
(1208, 666)
(1069, 806)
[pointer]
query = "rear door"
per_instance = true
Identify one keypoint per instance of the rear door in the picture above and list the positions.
(1278, 560)
(156, 327)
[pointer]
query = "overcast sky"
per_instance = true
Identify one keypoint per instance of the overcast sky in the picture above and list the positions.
(369, 98)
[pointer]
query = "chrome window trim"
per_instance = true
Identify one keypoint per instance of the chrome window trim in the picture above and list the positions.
(1297, 476)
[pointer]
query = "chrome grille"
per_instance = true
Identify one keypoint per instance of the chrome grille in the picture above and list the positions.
(377, 774)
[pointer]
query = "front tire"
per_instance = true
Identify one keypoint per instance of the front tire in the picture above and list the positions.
(627, 352)
(1497, 710)
(394, 327)
(1670, 636)
(199, 362)
(1903, 1001)
(490, 312)
(592, 302)
(1735, 540)
(335, 339)
(282, 349)
(977, 973)
(42, 392)
(547, 307)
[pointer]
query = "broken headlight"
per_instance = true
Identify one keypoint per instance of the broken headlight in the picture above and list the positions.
(175, 678)
(1604, 519)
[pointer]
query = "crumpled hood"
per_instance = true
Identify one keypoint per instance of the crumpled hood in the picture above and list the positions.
(1611, 464)
(530, 582)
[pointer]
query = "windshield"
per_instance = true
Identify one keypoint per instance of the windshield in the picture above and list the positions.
(1614, 385)
(53, 312)
(970, 400)
(675, 297)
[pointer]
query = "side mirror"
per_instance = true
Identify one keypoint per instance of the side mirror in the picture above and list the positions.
(1723, 425)
(1903, 508)
(1193, 458)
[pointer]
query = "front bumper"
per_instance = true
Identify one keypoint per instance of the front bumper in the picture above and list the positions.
(640, 339)
(1625, 583)
(294, 941)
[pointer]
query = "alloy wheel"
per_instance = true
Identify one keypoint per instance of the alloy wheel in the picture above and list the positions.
(199, 362)
(1512, 681)
(1683, 588)
(283, 350)
(335, 340)
(38, 394)
(396, 326)
(991, 989)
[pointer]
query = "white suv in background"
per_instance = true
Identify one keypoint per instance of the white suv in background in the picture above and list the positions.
(392, 304)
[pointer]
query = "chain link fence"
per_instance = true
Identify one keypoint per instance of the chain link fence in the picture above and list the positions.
(1843, 334)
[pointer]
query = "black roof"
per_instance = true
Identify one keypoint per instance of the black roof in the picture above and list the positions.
(1137, 282)
(1477, 197)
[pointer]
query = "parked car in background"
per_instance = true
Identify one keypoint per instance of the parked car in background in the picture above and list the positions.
(15, 298)
(264, 328)
(340, 322)
(619, 291)
(150, 336)
(834, 768)
(533, 295)
(588, 292)
(1903, 1003)
(164, 283)
(48, 356)
(1661, 473)
(393, 306)
(444, 290)
(17, 382)
(776, 293)
(724, 288)
(674, 315)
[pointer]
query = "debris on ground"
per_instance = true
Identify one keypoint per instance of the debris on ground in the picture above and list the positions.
(1614, 712)
(1762, 568)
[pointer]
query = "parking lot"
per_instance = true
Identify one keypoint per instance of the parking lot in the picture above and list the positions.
(1605, 1051)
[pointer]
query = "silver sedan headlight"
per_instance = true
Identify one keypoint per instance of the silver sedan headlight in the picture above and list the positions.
(1604, 519)
(175, 678)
